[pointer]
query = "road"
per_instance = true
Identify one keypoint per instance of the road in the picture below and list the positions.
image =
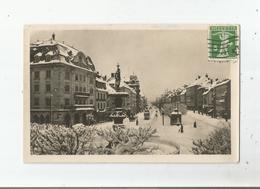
(169, 136)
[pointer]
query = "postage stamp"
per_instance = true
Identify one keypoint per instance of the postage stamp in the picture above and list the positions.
(223, 43)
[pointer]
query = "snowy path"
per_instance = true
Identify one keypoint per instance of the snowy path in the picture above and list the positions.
(169, 135)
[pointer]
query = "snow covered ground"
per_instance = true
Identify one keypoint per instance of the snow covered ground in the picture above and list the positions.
(168, 136)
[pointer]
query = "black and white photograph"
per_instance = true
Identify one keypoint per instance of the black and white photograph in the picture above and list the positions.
(132, 93)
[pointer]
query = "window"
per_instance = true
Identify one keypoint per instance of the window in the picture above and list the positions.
(36, 59)
(48, 74)
(67, 101)
(67, 75)
(76, 77)
(36, 101)
(36, 75)
(80, 59)
(48, 101)
(91, 80)
(67, 88)
(80, 77)
(36, 88)
(80, 89)
(48, 58)
(91, 91)
(91, 101)
(84, 78)
(84, 89)
(48, 87)
(76, 88)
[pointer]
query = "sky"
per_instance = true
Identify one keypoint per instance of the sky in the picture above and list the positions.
(162, 59)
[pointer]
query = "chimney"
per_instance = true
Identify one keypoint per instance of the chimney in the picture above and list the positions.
(53, 36)
(198, 76)
(211, 81)
(206, 75)
(105, 77)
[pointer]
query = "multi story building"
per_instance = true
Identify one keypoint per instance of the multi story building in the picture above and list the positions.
(129, 102)
(222, 96)
(62, 83)
(101, 98)
(133, 82)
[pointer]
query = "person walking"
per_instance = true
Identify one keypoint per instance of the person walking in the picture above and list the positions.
(195, 124)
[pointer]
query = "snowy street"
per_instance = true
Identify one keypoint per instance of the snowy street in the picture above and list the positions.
(169, 135)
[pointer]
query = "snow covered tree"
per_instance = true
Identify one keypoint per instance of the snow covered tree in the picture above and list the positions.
(125, 141)
(219, 142)
(60, 140)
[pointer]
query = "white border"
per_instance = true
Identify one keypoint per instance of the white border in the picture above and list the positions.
(14, 14)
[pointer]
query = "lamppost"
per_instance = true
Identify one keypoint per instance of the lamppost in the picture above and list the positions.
(51, 95)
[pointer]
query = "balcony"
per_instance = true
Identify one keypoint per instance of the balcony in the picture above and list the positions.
(81, 94)
(84, 107)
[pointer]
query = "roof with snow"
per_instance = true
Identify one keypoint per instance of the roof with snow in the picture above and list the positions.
(110, 89)
(100, 80)
(223, 82)
(60, 53)
(216, 84)
(123, 84)
(202, 82)
(183, 92)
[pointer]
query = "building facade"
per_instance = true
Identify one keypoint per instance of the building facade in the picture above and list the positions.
(129, 102)
(133, 82)
(62, 83)
(222, 96)
(101, 99)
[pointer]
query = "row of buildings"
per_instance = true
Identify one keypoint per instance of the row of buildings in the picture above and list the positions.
(204, 95)
(65, 87)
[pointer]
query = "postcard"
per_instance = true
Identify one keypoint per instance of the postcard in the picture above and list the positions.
(131, 93)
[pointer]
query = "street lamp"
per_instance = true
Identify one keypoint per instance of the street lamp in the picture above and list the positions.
(51, 95)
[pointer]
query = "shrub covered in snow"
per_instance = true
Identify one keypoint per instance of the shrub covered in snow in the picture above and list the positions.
(218, 142)
(125, 141)
(47, 139)
(60, 140)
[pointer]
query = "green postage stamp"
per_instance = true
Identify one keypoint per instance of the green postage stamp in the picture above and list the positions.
(223, 43)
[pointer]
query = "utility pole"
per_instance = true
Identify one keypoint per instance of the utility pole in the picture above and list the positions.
(50, 109)
(162, 117)
(51, 117)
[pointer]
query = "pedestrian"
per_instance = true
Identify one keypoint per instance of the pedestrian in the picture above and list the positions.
(195, 124)
(181, 129)
(136, 122)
